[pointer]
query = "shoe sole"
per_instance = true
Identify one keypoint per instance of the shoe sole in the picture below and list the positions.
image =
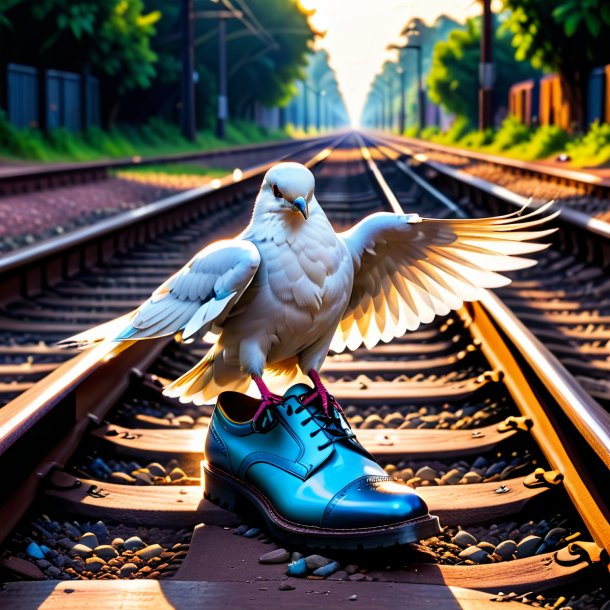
(230, 493)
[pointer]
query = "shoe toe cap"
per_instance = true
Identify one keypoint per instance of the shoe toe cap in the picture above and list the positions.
(372, 502)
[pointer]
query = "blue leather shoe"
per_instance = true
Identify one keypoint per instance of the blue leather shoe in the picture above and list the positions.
(307, 475)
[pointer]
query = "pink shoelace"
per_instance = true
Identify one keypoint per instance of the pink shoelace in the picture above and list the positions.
(269, 399)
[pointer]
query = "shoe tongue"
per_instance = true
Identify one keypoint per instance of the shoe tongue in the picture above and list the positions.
(297, 390)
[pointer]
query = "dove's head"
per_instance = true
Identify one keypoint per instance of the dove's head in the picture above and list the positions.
(287, 188)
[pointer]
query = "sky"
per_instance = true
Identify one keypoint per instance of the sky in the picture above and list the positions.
(358, 32)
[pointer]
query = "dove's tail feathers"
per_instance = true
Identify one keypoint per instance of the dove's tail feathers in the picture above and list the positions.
(207, 379)
(108, 331)
(281, 375)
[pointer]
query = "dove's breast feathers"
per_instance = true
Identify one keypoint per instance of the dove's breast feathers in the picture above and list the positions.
(300, 290)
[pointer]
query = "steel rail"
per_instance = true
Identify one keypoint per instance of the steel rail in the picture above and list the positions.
(585, 180)
(85, 399)
(31, 254)
(595, 226)
(587, 416)
(44, 172)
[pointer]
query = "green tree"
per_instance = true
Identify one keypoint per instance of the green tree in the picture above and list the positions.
(569, 37)
(110, 37)
(453, 81)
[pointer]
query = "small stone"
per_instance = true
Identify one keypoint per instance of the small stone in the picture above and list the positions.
(528, 546)
(353, 598)
(425, 473)
(134, 543)
(127, 569)
(53, 572)
(356, 576)
(506, 549)
(239, 531)
(153, 550)
(474, 553)
(71, 530)
(327, 570)
(142, 477)
(22, 567)
(286, 586)
(452, 477)
(487, 546)
(66, 543)
(555, 536)
(496, 468)
(34, 550)
(372, 421)
(314, 562)
(352, 568)
(89, 539)
(471, 477)
(117, 542)
(464, 539)
(122, 478)
(156, 469)
(296, 556)
(253, 532)
(43, 564)
(81, 550)
(105, 551)
(297, 568)
(277, 556)
(101, 531)
(176, 474)
(95, 564)
(480, 462)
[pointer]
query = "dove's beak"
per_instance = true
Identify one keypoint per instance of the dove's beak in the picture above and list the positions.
(300, 204)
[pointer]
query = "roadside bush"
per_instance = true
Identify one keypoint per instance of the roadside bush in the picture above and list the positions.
(593, 148)
(545, 141)
(511, 132)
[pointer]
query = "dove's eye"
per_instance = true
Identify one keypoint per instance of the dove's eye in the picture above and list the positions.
(277, 192)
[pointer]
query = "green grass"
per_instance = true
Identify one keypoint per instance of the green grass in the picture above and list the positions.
(517, 141)
(177, 169)
(152, 139)
(593, 148)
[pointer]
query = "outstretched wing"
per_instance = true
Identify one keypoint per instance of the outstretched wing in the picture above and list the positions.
(202, 293)
(409, 269)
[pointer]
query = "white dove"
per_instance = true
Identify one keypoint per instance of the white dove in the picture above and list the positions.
(282, 293)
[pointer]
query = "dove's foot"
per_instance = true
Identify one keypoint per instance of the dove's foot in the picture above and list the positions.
(322, 393)
(269, 398)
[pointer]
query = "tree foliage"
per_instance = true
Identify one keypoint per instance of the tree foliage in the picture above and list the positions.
(569, 37)
(110, 37)
(134, 46)
(453, 81)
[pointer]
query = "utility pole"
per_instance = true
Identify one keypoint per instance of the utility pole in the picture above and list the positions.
(223, 101)
(187, 110)
(421, 100)
(401, 115)
(305, 110)
(486, 70)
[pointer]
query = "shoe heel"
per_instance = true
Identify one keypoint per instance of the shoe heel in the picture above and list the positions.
(219, 492)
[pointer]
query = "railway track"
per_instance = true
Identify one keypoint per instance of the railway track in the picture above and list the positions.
(585, 191)
(44, 202)
(503, 443)
(564, 299)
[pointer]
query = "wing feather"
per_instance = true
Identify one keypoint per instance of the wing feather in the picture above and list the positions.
(202, 293)
(409, 269)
